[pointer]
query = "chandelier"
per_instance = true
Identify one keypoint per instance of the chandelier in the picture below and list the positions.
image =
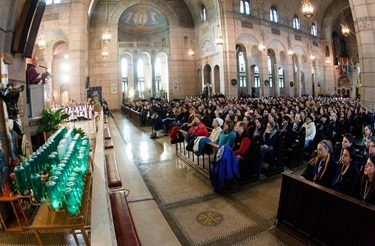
(107, 32)
(344, 27)
(106, 37)
(307, 8)
(41, 43)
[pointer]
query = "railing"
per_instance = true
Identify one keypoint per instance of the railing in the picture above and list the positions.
(200, 163)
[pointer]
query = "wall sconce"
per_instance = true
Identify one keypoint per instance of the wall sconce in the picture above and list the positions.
(219, 38)
(41, 43)
(312, 57)
(191, 52)
(328, 60)
(105, 52)
(261, 46)
(290, 50)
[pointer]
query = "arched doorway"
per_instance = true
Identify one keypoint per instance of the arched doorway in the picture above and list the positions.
(207, 87)
(216, 79)
(61, 70)
(271, 61)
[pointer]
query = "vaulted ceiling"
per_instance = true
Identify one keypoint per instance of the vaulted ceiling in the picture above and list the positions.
(189, 14)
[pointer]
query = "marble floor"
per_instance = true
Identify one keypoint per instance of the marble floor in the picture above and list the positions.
(195, 214)
(172, 204)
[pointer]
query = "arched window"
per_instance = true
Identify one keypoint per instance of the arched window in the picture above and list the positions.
(124, 73)
(141, 76)
(269, 63)
(241, 68)
(245, 7)
(273, 14)
(314, 30)
(203, 13)
(52, 1)
(296, 23)
(158, 73)
(256, 77)
(281, 78)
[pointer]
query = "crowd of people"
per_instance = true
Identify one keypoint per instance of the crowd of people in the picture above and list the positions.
(338, 132)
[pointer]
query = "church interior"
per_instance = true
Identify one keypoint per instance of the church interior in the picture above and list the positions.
(110, 64)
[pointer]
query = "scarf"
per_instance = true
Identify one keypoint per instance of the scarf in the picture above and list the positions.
(318, 168)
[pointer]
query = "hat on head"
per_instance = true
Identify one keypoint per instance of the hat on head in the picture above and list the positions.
(219, 121)
(34, 60)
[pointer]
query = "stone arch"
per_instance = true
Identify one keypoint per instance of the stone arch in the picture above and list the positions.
(276, 45)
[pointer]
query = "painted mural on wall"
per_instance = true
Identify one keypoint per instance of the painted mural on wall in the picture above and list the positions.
(207, 48)
(143, 18)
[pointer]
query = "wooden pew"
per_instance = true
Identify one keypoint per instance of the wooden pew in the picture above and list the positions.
(323, 216)
(107, 133)
(108, 144)
(249, 167)
(126, 233)
(133, 115)
(113, 176)
(293, 156)
(275, 158)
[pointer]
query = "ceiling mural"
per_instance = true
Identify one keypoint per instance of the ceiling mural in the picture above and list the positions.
(142, 18)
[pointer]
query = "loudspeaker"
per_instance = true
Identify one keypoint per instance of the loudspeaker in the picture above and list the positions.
(33, 32)
(87, 82)
(23, 26)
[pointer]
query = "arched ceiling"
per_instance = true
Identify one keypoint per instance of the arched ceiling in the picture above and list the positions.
(189, 16)
(142, 19)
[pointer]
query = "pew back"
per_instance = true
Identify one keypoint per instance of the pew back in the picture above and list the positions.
(323, 216)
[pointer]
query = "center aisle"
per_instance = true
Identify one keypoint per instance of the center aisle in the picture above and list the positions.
(172, 204)
(152, 228)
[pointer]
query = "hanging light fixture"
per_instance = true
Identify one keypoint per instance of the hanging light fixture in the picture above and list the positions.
(307, 8)
(312, 57)
(219, 40)
(106, 36)
(105, 52)
(41, 42)
(344, 26)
